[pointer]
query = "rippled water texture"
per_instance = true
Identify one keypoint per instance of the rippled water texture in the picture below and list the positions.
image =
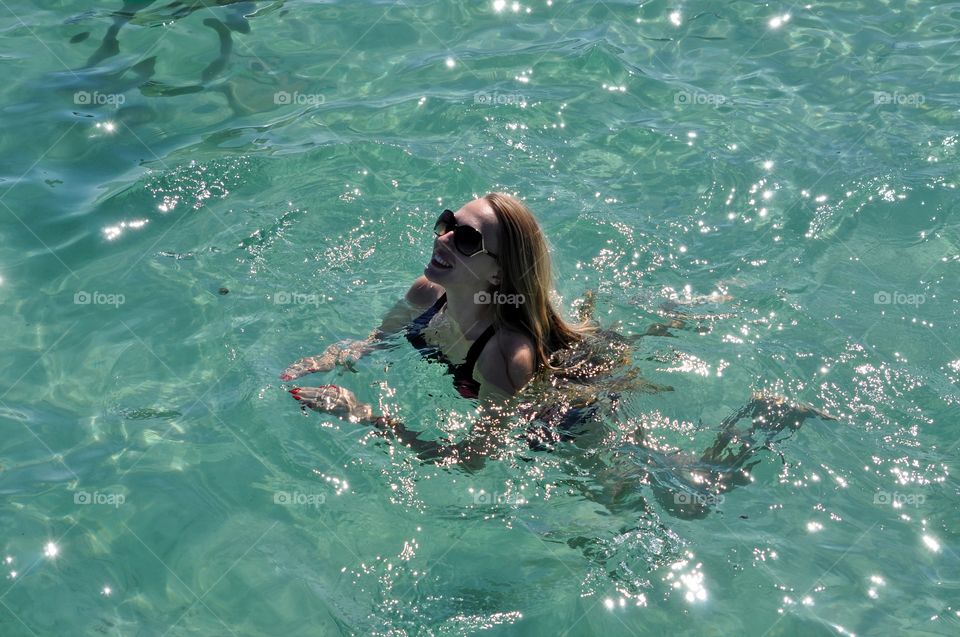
(193, 196)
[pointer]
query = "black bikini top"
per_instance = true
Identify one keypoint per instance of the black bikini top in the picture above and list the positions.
(463, 372)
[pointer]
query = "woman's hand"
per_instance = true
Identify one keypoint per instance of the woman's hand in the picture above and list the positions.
(334, 400)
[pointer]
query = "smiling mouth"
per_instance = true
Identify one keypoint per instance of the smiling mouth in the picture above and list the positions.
(439, 262)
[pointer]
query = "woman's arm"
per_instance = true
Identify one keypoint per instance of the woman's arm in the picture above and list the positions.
(487, 434)
(421, 294)
(504, 368)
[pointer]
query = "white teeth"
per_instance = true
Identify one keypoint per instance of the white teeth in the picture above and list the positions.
(441, 261)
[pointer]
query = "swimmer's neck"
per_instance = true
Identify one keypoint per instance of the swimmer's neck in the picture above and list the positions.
(466, 312)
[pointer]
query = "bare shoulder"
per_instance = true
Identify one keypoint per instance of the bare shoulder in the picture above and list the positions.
(423, 293)
(508, 361)
(513, 341)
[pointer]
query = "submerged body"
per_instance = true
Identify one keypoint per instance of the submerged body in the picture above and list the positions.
(522, 362)
(434, 336)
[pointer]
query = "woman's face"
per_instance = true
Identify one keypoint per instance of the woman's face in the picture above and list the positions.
(476, 272)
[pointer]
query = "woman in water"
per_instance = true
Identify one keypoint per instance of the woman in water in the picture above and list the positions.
(482, 307)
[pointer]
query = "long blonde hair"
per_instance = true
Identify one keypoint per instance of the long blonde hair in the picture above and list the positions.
(524, 260)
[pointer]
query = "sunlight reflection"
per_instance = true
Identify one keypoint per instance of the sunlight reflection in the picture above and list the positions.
(500, 5)
(340, 485)
(621, 602)
(780, 20)
(688, 363)
(692, 581)
(112, 232)
(876, 580)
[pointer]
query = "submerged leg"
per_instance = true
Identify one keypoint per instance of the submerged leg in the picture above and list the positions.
(768, 413)
(727, 462)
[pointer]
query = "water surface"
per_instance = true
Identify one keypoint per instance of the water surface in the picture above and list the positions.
(798, 160)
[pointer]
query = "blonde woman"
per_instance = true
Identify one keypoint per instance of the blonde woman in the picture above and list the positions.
(482, 307)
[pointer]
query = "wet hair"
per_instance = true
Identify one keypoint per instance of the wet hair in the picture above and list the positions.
(526, 272)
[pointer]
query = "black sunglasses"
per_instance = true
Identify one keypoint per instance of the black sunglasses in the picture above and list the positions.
(466, 239)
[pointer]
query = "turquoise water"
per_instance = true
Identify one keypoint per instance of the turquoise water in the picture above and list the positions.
(798, 159)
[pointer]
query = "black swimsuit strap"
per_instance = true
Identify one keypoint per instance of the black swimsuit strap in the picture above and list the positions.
(433, 309)
(474, 353)
(463, 372)
(414, 332)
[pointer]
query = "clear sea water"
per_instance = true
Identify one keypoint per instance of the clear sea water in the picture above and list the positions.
(799, 159)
